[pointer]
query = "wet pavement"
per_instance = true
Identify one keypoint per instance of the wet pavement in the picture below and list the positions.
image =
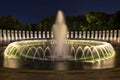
(108, 74)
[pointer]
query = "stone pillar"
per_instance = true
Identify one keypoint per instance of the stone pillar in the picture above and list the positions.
(4, 34)
(80, 34)
(12, 34)
(84, 35)
(27, 35)
(75, 34)
(52, 34)
(115, 35)
(100, 35)
(23, 34)
(92, 34)
(95, 34)
(88, 34)
(44, 35)
(39, 34)
(35, 34)
(48, 34)
(31, 34)
(107, 35)
(72, 34)
(103, 35)
(20, 35)
(16, 35)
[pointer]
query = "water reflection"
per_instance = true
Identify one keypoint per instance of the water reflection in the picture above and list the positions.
(51, 65)
(109, 63)
(12, 63)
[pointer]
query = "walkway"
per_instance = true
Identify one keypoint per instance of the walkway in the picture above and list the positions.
(11, 74)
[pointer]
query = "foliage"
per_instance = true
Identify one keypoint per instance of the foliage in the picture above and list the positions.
(91, 21)
(8, 22)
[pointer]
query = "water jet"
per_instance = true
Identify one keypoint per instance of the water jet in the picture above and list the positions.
(60, 48)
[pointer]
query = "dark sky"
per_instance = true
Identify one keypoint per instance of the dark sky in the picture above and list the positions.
(33, 11)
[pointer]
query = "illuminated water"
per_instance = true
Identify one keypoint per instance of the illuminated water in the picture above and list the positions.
(81, 50)
(60, 35)
(59, 53)
(59, 65)
(60, 48)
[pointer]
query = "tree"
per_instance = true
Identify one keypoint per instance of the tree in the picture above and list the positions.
(8, 22)
(98, 20)
(47, 23)
(114, 21)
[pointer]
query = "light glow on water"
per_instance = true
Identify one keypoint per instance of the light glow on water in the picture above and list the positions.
(60, 48)
(81, 50)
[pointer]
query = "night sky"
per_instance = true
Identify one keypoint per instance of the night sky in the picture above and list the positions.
(33, 11)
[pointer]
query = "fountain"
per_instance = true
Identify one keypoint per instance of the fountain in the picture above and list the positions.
(60, 48)
(60, 34)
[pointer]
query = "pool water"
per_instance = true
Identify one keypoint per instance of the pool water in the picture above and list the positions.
(59, 65)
